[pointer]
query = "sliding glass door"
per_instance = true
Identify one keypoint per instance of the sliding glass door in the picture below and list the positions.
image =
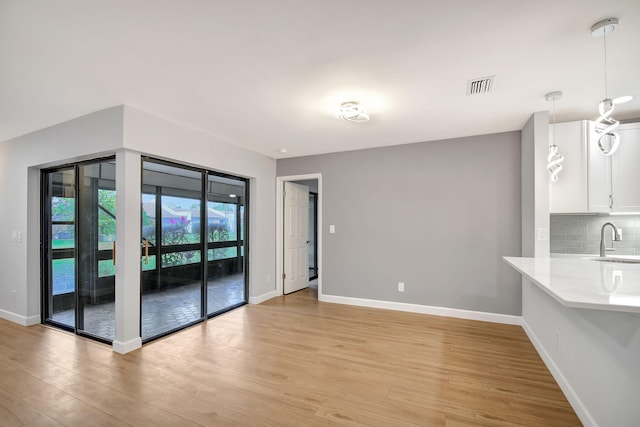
(193, 228)
(172, 276)
(226, 198)
(79, 223)
(193, 246)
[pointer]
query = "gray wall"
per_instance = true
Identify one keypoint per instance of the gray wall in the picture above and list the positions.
(437, 216)
(580, 234)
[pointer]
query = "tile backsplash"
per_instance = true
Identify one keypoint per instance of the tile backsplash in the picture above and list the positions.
(580, 234)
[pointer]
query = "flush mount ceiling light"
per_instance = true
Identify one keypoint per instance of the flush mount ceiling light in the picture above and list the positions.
(554, 160)
(609, 140)
(352, 112)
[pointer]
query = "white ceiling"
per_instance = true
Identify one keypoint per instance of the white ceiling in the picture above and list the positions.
(265, 74)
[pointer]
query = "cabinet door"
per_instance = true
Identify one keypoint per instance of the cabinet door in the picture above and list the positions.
(599, 171)
(569, 193)
(625, 167)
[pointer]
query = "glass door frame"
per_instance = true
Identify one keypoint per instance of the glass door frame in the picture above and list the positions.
(46, 248)
(205, 245)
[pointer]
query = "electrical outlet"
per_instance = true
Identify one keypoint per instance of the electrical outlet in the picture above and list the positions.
(556, 338)
(400, 287)
(14, 296)
(542, 234)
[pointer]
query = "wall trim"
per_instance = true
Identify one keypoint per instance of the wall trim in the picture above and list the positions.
(506, 319)
(19, 319)
(264, 297)
(123, 347)
(565, 386)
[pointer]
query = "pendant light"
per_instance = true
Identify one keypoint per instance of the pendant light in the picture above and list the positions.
(608, 141)
(554, 160)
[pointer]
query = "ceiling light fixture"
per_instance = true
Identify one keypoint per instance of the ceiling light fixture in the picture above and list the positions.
(554, 160)
(352, 112)
(609, 140)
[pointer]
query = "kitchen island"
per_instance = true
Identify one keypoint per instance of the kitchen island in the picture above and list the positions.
(583, 317)
(588, 282)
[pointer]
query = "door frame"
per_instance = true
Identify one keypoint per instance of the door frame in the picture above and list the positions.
(280, 180)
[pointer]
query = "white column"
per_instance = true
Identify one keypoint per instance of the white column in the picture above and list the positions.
(535, 186)
(128, 188)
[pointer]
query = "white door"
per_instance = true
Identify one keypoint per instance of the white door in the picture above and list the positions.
(296, 237)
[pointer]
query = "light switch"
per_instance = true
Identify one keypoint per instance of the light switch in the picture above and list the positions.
(332, 229)
(16, 236)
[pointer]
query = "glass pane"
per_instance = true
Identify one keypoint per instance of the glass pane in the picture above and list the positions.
(106, 268)
(225, 223)
(63, 208)
(106, 219)
(173, 259)
(96, 227)
(221, 219)
(149, 218)
(149, 264)
(180, 220)
(60, 262)
(63, 276)
(63, 236)
(222, 253)
(172, 274)
(242, 222)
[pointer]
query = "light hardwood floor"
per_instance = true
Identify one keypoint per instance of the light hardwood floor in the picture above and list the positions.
(291, 361)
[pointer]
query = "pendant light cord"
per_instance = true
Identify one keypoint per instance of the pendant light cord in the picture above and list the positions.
(604, 38)
(553, 105)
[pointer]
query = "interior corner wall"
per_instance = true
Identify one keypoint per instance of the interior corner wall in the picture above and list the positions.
(21, 158)
(437, 216)
(160, 138)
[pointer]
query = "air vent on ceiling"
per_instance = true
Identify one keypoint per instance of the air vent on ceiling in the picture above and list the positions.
(481, 85)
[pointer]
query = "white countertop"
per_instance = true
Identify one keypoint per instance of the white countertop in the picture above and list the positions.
(581, 283)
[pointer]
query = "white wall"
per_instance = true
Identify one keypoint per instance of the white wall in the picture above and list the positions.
(152, 135)
(100, 134)
(535, 186)
(77, 139)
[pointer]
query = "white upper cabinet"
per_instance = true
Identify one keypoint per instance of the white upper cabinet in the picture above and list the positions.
(625, 170)
(569, 193)
(591, 182)
(599, 174)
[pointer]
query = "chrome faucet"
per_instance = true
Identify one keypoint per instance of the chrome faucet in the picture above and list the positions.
(616, 238)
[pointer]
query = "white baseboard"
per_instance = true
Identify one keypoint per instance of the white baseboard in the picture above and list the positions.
(569, 392)
(123, 347)
(19, 319)
(264, 297)
(424, 309)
